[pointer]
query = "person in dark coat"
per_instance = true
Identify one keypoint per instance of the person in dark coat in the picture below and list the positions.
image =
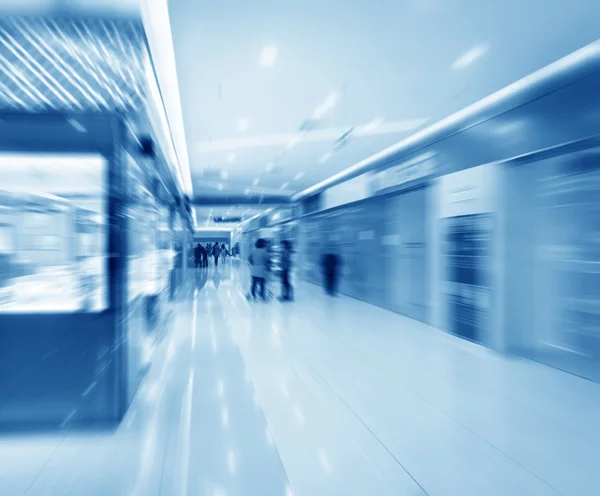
(198, 255)
(216, 253)
(330, 264)
(205, 255)
(286, 267)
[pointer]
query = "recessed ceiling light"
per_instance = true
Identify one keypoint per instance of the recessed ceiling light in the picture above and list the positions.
(325, 157)
(469, 57)
(298, 176)
(220, 186)
(268, 56)
(329, 103)
(293, 142)
(284, 185)
(256, 181)
(243, 124)
(231, 157)
(374, 124)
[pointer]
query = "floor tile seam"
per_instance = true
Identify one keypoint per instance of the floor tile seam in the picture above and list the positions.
(354, 349)
(320, 393)
(458, 422)
(351, 350)
(454, 340)
(240, 354)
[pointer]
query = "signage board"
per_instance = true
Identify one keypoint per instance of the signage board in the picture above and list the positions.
(227, 220)
(350, 191)
(402, 174)
(470, 191)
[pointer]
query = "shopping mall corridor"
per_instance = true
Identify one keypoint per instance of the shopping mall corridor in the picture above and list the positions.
(322, 397)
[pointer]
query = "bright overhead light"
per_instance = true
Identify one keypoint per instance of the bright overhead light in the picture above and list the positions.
(284, 185)
(326, 157)
(293, 142)
(268, 56)
(224, 175)
(374, 124)
(256, 181)
(220, 186)
(298, 176)
(329, 103)
(243, 124)
(469, 57)
(231, 157)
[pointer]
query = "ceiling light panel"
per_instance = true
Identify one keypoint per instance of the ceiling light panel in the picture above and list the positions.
(373, 125)
(243, 124)
(330, 102)
(469, 57)
(268, 55)
(326, 157)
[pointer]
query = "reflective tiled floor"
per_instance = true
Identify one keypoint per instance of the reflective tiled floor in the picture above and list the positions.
(323, 397)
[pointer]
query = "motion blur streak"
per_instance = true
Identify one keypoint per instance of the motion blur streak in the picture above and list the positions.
(310, 248)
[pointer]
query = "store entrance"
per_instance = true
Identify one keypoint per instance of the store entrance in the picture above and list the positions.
(567, 307)
(404, 245)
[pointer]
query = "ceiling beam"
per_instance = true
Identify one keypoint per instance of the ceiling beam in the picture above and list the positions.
(241, 200)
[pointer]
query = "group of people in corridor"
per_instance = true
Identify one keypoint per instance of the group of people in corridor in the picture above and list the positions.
(261, 267)
(202, 253)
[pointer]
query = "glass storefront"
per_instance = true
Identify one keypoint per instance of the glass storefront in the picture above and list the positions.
(53, 233)
(567, 331)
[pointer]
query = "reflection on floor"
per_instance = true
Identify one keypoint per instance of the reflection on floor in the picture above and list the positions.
(323, 397)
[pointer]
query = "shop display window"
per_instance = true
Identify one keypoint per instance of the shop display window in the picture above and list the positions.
(53, 233)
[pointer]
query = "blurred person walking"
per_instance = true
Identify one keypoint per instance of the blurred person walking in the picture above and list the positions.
(198, 255)
(205, 255)
(216, 253)
(259, 268)
(286, 266)
(330, 264)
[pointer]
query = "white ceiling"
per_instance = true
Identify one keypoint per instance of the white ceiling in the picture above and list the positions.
(405, 62)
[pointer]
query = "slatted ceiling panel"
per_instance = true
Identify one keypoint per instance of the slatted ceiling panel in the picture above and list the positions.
(68, 64)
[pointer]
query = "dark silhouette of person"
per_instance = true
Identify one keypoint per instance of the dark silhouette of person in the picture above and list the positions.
(330, 263)
(205, 255)
(216, 253)
(286, 267)
(198, 255)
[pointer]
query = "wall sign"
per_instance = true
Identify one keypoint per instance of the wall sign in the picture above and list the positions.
(350, 191)
(403, 174)
(227, 220)
(470, 191)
